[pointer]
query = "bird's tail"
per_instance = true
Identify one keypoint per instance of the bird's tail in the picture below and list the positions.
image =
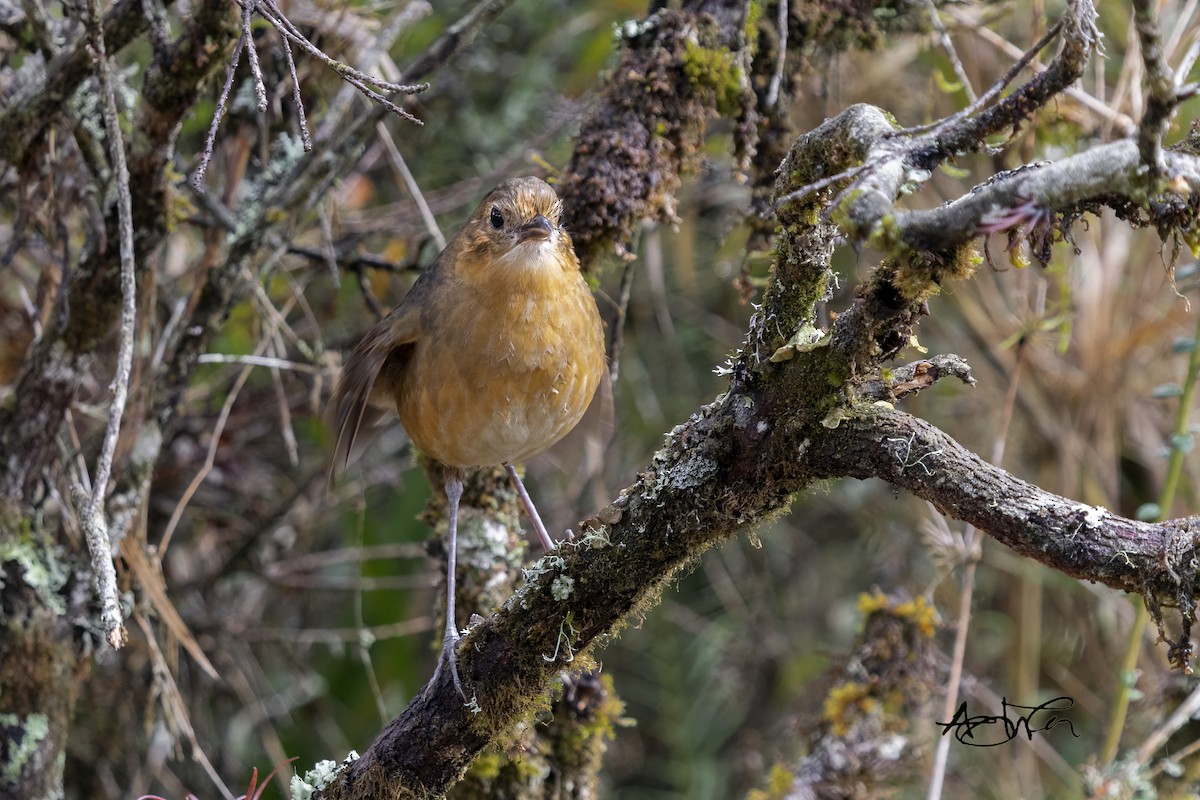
(352, 400)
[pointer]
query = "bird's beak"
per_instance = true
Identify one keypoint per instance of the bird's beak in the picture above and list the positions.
(537, 228)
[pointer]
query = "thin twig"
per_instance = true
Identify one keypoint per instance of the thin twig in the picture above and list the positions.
(403, 19)
(260, 88)
(398, 163)
(777, 76)
(1178, 758)
(355, 263)
(305, 136)
(1179, 26)
(1188, 61)
(330, 255)
(1023, 60)
(211, 457)
(285, 413)
(368, 295)
(356, 78)
(974, 549)
(618, 327)
(94, 524)
(1105, 111)
(222, 100)
(1179, 717)
(1161, 100)
(366, 640)
(341, 636)
(815, 186)
(172, 701)
(951, 53)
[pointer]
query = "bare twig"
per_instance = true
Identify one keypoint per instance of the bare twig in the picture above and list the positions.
(974, 551)
(222, 99)
(777, 76)
(1023, 61)
(1123, 124)
(404, 18)
(1182, 715)
(260, 88)
(397, 161)
(328, 250)
(1161, 100)
(951, 53)
(356, 78)
(360, 80)
(618, 327)
(211, 457)
(340, 636)
(1188, 61)
(94, 524)
(285, 413)
(305, 136)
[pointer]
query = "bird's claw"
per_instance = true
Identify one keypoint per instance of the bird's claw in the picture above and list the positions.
(449, 657)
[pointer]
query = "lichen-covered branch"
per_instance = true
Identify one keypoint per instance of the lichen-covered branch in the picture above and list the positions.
(45, 90)
(678, 68)
(1105, 174)
(1085, 542)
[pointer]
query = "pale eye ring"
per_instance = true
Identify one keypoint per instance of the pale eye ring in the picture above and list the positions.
(497, 218)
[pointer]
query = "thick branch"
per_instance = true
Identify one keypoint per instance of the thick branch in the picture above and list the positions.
(1102, 173)
(1086, 542)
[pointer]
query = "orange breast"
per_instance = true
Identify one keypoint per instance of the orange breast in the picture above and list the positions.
(507, 370)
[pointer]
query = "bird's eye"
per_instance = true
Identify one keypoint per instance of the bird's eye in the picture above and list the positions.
(497, 218)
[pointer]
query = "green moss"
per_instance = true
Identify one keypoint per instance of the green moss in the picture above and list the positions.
(487, 765)
(754, 13)
(715, 70)
(779, 785)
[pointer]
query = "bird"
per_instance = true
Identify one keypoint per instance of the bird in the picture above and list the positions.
(491, 357)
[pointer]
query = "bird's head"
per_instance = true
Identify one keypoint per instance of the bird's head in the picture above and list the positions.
(519, 224)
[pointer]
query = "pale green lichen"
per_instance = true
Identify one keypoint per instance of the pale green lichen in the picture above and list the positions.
(33, 729)
(319, 777)
(804, 340)
(41, 568)
(562, 587)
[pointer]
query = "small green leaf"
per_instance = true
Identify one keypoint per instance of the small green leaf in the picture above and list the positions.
(953, 171)
(944, 84)
(1148, 512)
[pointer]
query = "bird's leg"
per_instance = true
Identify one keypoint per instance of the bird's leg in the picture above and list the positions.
(454, 490)
(547, 542)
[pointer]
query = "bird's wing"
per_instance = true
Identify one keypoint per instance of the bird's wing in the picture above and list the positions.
(387, 343)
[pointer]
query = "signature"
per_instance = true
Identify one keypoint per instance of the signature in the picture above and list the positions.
(964, 726)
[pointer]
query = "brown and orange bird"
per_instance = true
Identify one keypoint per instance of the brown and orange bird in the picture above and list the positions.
(492, 356)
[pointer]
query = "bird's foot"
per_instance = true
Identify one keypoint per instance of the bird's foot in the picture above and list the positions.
(449, 659)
